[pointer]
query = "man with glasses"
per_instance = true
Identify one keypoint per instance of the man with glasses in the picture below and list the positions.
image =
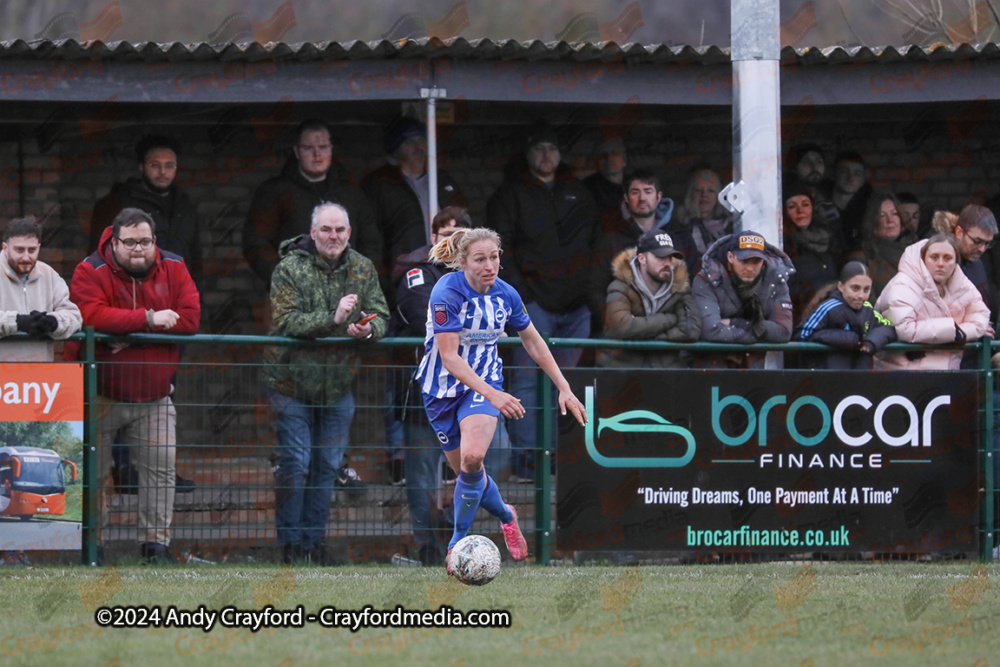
(130, 286)
(975, 230)
(154, 191)
(282, 206)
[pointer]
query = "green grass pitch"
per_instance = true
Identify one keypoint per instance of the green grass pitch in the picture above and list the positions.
(797, 613)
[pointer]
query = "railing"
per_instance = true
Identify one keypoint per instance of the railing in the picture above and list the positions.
(542, 491)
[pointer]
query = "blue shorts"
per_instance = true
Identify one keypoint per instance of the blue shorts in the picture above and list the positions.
(445, 415)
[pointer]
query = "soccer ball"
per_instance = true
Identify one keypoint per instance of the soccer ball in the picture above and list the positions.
(475, 560)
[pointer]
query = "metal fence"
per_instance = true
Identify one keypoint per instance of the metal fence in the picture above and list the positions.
(225, 444)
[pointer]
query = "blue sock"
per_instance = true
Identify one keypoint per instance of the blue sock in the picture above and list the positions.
(468, 493)
(493, 503)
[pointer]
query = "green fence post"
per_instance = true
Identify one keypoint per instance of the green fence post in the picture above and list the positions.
(988, 455)
(91, 488)
(543, 475)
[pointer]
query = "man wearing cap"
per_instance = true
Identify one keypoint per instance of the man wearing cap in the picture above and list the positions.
(399, 193)
(650, 299)
(742, 292)
(282, 207)
(549, 228)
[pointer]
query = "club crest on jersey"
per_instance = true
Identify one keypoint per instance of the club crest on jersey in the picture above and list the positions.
(440, 314)
(414, 277)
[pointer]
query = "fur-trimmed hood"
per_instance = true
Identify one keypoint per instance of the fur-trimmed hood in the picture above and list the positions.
(621, 268)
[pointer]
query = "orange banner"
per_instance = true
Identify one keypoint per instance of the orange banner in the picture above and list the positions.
(41, 392)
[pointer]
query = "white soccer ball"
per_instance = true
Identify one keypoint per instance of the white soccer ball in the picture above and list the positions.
(475, 560)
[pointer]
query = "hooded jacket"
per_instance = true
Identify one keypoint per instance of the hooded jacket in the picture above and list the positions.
(628, 316)
(836, 324)
(114, 302)
(716, 297)
(174, 214)
(911, 301)
(44, 290)
(550, 239)
(612, 245)
(282, 209)
(305, 292)
(945, 222)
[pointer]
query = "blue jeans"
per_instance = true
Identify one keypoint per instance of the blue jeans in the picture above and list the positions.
(431, 527)
(311, 441)
(524, 379)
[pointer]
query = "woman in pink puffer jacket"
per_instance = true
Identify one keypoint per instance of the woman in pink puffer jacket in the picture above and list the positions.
(931, 301)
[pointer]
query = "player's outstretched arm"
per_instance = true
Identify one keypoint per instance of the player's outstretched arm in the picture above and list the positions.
(508, 405)
(535, 346)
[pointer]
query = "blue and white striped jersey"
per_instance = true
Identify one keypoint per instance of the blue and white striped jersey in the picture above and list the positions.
(479, 319)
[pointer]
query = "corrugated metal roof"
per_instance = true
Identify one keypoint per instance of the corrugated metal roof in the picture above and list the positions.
(476, 49)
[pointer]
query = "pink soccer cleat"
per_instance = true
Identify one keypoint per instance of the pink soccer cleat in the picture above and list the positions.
(516, 544)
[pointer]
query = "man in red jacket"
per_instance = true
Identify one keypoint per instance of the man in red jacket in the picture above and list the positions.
(130, 286)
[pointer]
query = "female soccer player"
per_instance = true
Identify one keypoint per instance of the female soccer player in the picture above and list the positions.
(461, 373)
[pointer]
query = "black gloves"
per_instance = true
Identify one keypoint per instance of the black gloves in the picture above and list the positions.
(960, 336)
(37, 323)
(45, 323)
(753, 313)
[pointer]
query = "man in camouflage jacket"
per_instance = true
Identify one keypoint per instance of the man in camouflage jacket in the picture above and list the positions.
(321, 287)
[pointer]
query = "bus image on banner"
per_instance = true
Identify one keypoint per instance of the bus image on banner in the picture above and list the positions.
(41, 428)
(751, 461)
(32, 482)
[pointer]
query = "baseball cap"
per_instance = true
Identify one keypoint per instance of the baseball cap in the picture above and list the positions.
(401, 129)
(659, 243)
(539, 133)
(749, 244)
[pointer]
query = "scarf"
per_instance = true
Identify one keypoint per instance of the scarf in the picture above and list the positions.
(813, 238)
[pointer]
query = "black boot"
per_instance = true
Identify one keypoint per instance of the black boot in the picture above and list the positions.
(154, 553)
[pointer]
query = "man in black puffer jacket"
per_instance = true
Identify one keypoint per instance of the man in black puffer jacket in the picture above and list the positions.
(282, 206)
(155, 192)
(549, 227)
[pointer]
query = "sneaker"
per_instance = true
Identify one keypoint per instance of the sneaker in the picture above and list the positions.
(183, 485)
(154, 553)
(516, 543)
(348, 478)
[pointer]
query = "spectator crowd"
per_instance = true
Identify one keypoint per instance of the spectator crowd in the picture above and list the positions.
(609, 256)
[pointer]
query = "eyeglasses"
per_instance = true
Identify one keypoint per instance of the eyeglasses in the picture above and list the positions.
(981, 243)
(132, 243)
(322, 148)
